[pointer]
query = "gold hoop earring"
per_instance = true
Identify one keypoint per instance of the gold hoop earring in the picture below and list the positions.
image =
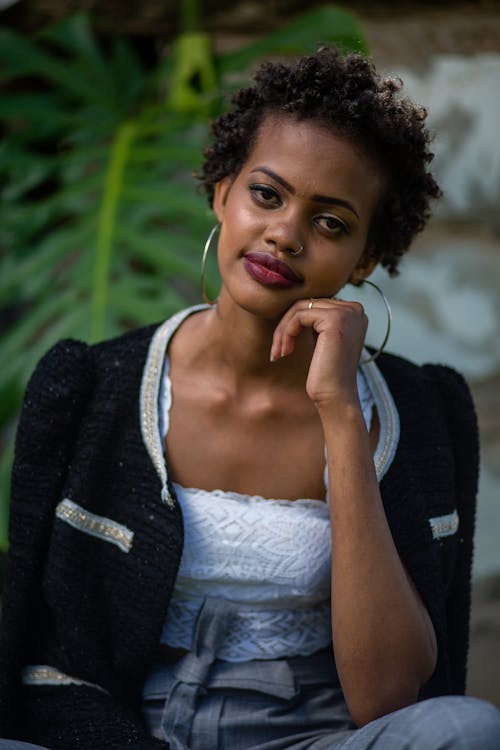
(389, 322)
(204, 294)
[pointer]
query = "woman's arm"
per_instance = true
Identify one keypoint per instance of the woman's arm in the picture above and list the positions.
(384, 642)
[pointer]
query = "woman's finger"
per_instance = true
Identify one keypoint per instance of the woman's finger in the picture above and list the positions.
(301, 305)
(313, 313)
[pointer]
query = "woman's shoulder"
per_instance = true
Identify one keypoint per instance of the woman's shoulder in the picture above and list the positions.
(77, 356)
(435, 396)
(71, 370)
(404, 375)
(135, 344)
(130, 346)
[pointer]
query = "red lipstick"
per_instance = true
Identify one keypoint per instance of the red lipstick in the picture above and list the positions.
(270, 271)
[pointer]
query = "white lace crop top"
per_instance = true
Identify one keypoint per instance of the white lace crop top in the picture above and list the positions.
(272, 558)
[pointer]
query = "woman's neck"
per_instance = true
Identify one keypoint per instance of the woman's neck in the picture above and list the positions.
(237, 342)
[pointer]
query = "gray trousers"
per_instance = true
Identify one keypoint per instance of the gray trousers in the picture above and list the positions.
(202, 703)
(448, 723)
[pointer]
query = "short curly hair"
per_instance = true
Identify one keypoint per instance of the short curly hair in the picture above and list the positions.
(345, 95)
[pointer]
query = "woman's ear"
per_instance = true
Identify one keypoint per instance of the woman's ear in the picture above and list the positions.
(221, 194)
(365, 267)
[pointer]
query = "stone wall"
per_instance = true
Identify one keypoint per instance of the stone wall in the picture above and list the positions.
(447, 299)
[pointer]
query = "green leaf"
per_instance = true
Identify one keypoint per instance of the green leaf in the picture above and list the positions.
(36, 114)
(21, 58)
(106, 225)
(33, 272)
(161, 251)
(193, 85)
(74, 35)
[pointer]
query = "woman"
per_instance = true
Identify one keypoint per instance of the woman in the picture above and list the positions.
(207, 436)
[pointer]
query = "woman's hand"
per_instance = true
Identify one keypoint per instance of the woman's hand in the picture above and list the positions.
(339, 328)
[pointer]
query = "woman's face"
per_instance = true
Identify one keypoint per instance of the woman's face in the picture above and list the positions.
(301, 186)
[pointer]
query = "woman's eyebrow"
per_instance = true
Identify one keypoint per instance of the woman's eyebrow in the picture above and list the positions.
(275, 177)
(318, 198)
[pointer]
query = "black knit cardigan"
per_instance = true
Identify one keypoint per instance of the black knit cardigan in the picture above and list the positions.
(87, 611)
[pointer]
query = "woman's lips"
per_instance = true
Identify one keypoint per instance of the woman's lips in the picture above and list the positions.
(270, 271)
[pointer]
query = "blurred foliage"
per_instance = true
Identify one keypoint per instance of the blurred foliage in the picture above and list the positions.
(101, 223)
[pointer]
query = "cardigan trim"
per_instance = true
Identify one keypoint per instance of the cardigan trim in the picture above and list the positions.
(443, 526)
(388, 418)
(97, 526)
(43, 674)
(149, 395)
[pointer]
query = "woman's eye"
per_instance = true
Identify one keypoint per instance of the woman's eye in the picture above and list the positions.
(265, 195)
(332, 225)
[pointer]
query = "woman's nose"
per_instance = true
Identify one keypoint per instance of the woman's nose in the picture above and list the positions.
(284, 236)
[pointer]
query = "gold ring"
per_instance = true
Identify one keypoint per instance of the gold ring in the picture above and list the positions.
(311, 303)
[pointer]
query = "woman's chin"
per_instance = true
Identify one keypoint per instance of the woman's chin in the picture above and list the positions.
(256, 299)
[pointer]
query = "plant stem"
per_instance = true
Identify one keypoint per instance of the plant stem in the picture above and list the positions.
(190, 15)
(106, 226)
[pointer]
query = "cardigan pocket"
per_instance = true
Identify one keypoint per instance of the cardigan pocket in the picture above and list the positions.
(36, 675)
(444, 526)
(97, 526)
(445, 534)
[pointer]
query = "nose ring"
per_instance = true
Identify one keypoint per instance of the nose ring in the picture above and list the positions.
(298, 251)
